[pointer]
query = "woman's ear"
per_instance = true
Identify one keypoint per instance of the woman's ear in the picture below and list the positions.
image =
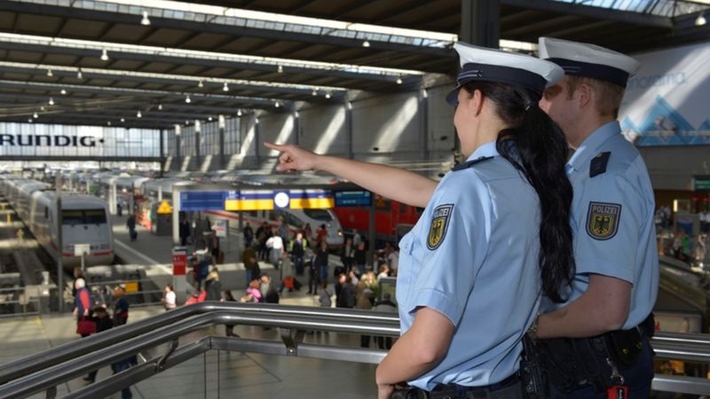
(477, 102)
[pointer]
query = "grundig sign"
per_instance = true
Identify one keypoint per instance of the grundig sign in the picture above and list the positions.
(38, 140)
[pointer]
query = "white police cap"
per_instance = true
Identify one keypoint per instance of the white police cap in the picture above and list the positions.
(588, 60)
(492, 65)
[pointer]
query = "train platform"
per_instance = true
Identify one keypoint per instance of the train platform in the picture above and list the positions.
(216, 373)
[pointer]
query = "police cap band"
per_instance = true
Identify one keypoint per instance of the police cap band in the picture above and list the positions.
(492, 65)
(588, 60)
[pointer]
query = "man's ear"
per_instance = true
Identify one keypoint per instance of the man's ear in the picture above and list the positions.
(584, 95)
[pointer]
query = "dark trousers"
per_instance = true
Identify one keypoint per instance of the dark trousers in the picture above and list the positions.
(638, 378)
(298, 264)
(117, 368)
(509, 391)
(313, 281)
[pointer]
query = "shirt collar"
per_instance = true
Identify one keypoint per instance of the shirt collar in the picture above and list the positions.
(486, 150)
(589, 146)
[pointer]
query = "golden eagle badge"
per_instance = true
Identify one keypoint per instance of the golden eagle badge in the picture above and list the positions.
(603, 220)
(439, 223)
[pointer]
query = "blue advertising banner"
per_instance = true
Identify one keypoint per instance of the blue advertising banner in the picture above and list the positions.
(667, 101)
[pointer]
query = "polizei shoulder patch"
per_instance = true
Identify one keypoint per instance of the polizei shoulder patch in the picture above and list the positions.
(439, 224)
(603, 220)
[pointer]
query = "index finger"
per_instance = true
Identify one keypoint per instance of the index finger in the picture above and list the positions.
(277, 147)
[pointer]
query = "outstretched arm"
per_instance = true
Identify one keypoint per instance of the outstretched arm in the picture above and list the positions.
(391, 182)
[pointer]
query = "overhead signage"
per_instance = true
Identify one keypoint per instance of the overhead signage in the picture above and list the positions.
(255, 200)
(45, 140)
(701, 183)
(202, 200)
(353, 198)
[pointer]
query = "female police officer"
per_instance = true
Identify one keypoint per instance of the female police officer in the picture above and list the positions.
(469, 281)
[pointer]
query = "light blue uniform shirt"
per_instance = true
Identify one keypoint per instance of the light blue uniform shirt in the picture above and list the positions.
(473, 257)
(613, 218)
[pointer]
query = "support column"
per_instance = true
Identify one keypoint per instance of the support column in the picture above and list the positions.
(222, 124)
(178, 161)
(198, 128)
(480, 22)
(257, 141)
(349, 128)
(161, 154)
(296, 128)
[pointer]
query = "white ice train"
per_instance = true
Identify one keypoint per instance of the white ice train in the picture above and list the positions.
(295, 218)
(85, 220)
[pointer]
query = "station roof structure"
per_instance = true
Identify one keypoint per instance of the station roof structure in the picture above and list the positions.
(154, 64)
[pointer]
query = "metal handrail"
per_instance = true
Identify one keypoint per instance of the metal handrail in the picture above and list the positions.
(43, 371)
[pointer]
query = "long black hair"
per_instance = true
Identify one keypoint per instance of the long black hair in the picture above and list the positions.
(536, 146)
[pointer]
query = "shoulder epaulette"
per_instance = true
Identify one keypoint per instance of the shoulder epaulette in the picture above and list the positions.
(598, 165)
(468, 164)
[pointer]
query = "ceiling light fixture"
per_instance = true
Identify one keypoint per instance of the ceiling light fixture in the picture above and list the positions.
(239, 112)
(160, 107)
(399, 80)
(209, 118)
(49, 72)
(78, 74)
(277, 104)
(35, 115)
(29, 120)
(63, 92)
(104, 55)
(187, 99)
(280, 69)
(327, 95)
(366, 44)
(139, 115)
(123, 119)
(41, 108)
(314, 92)
(51, 101)
(200, 84)
(108, 123)
(225, 87)
(145, 20)
(700, 20)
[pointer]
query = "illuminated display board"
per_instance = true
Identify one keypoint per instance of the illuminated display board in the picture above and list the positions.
(253, 200)
(353, 198)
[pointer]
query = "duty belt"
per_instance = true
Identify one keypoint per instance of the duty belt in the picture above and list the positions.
(454, 391)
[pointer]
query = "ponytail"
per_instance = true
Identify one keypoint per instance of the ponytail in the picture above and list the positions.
(535, 145)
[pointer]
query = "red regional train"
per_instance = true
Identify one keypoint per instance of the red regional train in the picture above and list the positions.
(390, 216)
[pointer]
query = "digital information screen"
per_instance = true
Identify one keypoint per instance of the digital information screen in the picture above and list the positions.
(353, 198)
(202, 200)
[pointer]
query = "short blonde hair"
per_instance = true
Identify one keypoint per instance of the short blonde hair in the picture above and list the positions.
(608, 95)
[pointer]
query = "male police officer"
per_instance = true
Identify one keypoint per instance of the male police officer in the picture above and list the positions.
(608, 309)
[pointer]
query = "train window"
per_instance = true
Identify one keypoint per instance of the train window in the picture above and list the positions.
(83, 216)
(46, 212)
(318, 214)
(71, 217)
(95, 216)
